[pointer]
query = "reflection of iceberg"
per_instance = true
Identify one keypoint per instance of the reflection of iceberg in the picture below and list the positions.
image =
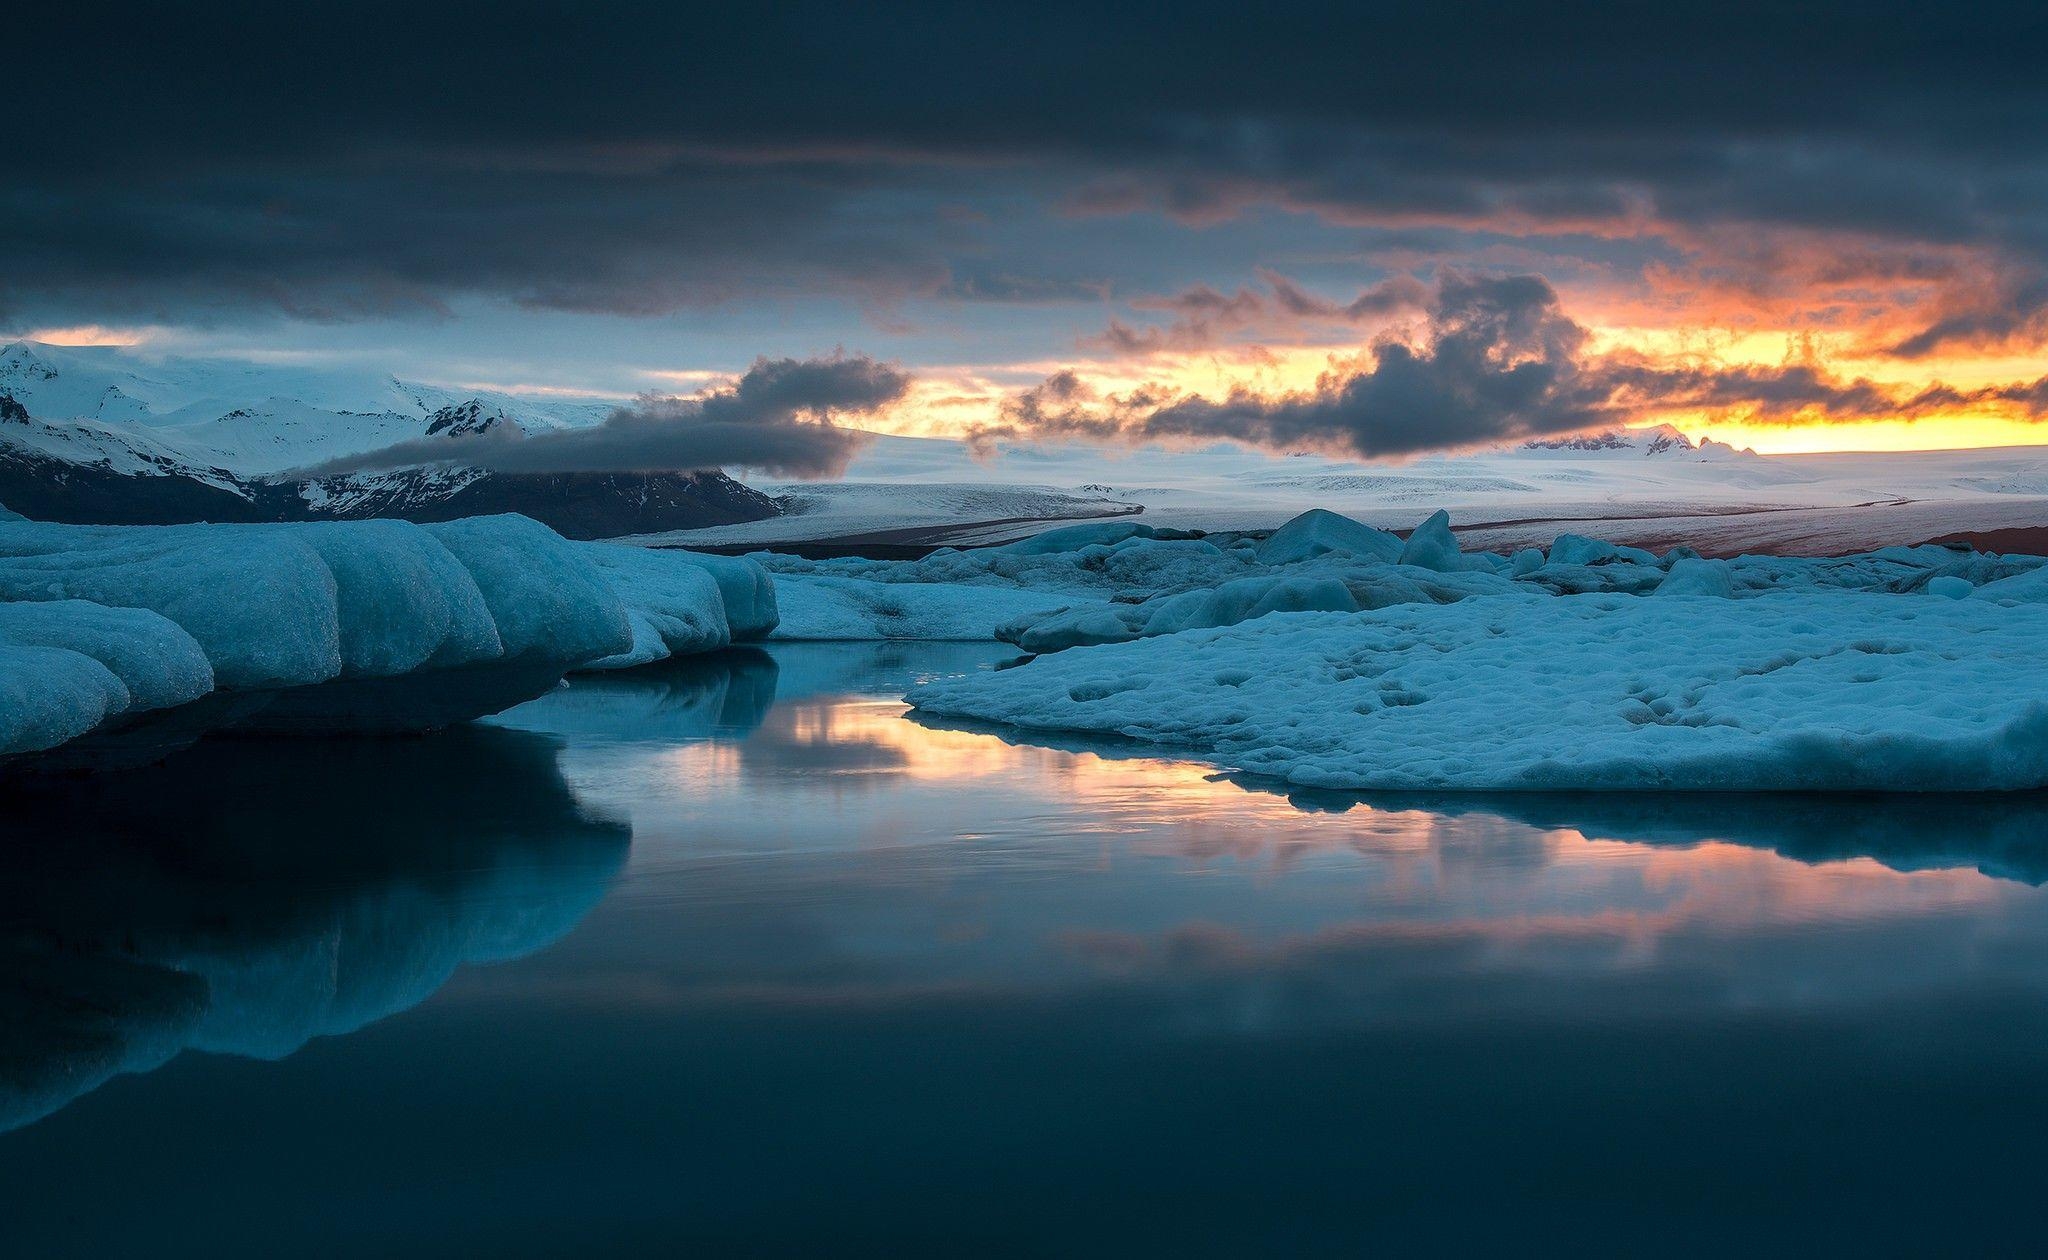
(885, 668)
(694, 697)
(2002, 834)
(249, 896)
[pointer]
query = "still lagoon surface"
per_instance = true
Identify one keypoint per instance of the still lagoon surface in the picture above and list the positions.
(732, 956)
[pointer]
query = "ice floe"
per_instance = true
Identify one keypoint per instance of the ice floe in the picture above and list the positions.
(1821, 690)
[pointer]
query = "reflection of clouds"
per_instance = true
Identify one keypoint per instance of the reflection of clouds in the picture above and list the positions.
(246, 897)
(839, 854)
(2000, 834)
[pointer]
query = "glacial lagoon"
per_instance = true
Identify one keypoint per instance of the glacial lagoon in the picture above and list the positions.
(732, 952)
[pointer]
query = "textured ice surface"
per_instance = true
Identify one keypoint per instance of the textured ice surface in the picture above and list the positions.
(1820, 690)
(1318, 532)
(546, 596)
(1698, 577)
(674, 607)
(854, 608)
(376, 624)
(260, 601)
(67, 665)
(1329, 587)
(403, 601)
(748, 591)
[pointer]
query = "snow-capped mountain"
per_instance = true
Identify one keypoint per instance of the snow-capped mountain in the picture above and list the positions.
(1656, 440)
(470, 416)
(96, 434)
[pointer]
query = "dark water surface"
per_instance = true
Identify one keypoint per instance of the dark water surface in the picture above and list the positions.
(732, 954)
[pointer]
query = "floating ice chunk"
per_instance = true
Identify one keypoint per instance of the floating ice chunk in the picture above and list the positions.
(1950, 587)
(748, 591)
(1337, 589)
(1579, 549)
(1227, 605)
(51, 695)
(2023, 588)
(1698, 577)
(1526, 561)
(1075, 537)
(1817, 691)
(358, 625)
(1583, 579)
(1317, 532)
(67, 666)
(1134, 567)
(1973, 567)
(1433, 545)
(850, 608)
(674, 607)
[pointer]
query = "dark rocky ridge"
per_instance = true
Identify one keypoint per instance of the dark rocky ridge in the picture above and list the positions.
(576, 505)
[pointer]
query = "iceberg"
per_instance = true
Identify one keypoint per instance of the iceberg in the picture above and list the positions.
(1318, 532)
(1698, 577)
(368, 625)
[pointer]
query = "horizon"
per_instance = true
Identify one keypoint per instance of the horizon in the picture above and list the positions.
(1774, 441)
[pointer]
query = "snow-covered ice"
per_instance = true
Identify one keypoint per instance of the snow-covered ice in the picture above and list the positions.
(823, 608)
(375, 623)
(68, 665)
(674, 608)
(749, 593)
(1819, 690)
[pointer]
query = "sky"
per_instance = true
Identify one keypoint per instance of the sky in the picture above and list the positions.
(1369, 230)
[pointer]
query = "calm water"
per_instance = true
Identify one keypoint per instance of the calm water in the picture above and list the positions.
(735, 954)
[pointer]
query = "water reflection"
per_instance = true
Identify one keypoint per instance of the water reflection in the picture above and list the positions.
(245, 897)
(862, 980)
(2001, 834)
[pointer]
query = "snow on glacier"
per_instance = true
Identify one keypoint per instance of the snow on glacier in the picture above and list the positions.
(1819, 690)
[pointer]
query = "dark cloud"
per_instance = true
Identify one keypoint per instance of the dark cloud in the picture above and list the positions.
(777, 418)
(1207, 317)
(340, 160)
(1501, 361)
